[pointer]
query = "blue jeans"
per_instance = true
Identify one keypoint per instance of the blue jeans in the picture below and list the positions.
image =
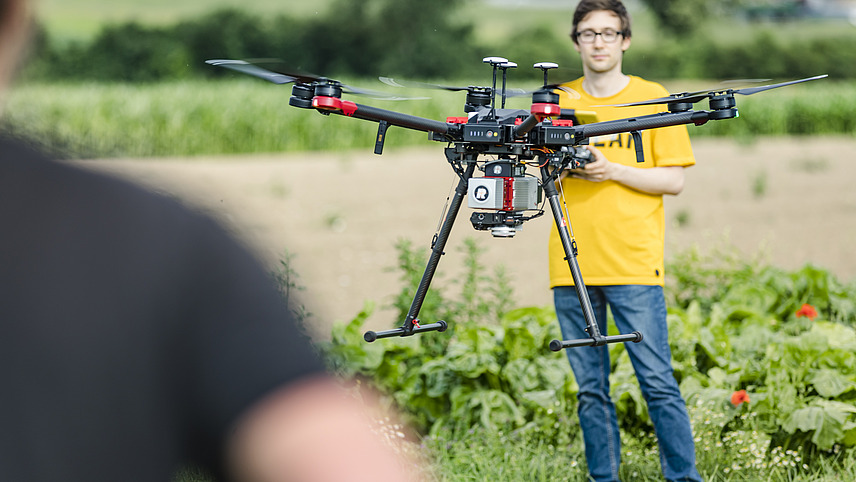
(634, 308)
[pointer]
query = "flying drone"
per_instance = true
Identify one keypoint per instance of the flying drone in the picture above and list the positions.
(545, 137)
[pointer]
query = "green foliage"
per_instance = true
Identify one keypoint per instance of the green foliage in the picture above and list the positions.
(288, 280)
(488, 370)
(352, 38)
(764, 53)
(742, 332)
(734, 325)
(185, 118)
(679, 18)
(440, 39)
(196, 117)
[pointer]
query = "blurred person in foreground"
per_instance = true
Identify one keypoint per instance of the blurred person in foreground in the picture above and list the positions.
(137, 337)
(616, 210)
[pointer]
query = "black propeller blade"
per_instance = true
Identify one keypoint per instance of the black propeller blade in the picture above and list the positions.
(453, 88)
(420, 85)
(254, 70)
(250, 68)
(693, 97)
(755, 90)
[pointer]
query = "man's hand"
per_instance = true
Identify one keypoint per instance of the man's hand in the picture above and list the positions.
(654, 180)
(598, 170)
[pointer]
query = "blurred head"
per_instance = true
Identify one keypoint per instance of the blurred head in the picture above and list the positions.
(585, 7)
(601, 35)
(15, 23)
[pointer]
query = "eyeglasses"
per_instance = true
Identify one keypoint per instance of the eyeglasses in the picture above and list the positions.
(608, 36)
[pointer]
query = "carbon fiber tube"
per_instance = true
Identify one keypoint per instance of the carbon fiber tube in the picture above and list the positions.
(371, 336)
(653, 121)
(398, 119)
(634, 337)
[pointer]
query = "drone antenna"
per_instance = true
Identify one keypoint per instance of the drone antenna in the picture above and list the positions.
(505, 66)
(546, 66)
(494, 62)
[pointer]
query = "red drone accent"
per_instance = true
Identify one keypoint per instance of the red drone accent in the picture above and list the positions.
(335, 104)
(542, 110)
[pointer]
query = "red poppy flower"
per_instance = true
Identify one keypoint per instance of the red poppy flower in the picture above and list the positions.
(739, 397)
(808, 311)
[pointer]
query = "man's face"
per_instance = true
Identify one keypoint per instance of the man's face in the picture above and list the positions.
(601, 56)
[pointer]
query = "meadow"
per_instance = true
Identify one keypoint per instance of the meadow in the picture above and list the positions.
(203, 117)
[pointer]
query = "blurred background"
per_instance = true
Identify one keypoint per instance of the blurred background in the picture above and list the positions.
(131, 63)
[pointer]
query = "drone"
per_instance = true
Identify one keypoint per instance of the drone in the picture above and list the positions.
(545, 137)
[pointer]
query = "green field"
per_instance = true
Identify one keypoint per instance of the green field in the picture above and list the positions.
(248, 116)
(494, 20)
(81, 19)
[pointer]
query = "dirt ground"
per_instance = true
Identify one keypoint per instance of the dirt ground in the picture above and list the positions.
(340, 214)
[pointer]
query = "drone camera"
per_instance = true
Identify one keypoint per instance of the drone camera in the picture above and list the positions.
(501, 224)
(506, 190)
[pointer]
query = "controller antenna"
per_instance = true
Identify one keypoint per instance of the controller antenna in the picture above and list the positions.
(546, 66)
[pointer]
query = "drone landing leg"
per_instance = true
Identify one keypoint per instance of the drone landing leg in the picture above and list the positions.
(411, 326)
(595, 337)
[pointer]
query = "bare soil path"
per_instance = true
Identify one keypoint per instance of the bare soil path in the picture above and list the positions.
(340, 214)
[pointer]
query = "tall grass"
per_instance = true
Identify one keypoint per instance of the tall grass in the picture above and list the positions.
(188, 118)
(196, 118)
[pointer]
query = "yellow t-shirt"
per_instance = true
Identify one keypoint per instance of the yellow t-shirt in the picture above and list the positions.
(619, 231)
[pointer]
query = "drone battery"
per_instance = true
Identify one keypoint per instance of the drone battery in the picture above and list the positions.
(503, 193)
(482, 133)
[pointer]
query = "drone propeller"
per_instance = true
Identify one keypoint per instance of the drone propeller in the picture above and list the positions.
(693, 97)
(755, 90)
(453, 88)
(421, 85)
(250, 68)
(254, 70)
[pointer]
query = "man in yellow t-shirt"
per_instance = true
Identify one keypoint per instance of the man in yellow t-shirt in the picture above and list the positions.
(616, 216)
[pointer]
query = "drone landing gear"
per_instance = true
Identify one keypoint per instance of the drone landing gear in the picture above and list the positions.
(595, 337)
(411, 324)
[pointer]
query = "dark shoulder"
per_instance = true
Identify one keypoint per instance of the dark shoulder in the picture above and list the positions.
(99, 216)
(33, 182)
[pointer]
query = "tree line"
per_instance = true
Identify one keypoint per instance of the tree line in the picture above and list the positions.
(367, 38)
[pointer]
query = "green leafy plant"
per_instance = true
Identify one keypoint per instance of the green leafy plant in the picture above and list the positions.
(489, 370)
(765, 360)
(786, 339)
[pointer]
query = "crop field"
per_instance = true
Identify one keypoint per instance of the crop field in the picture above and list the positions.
(188, 118)
(80, 19)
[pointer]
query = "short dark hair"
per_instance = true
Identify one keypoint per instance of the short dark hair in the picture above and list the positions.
(585, 7)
